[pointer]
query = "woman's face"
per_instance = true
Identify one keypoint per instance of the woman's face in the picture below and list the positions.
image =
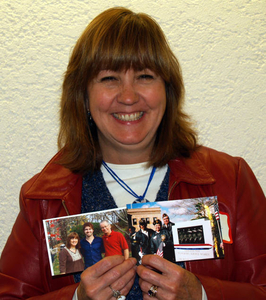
(127, 107)
(73, 242)
(157, 227)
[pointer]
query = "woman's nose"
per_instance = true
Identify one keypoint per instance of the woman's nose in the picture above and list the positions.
(128, 94)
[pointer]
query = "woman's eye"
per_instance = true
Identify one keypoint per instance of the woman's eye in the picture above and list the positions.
(146, 77)
(108, 78)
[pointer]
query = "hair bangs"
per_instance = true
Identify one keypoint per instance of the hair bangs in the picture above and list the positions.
(73, 235)
(130, 43)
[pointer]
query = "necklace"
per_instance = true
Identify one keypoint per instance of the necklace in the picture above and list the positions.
(73, 250)
(126, 187)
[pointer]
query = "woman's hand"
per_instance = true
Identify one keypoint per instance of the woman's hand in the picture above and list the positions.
(173, 282)
(112, 271)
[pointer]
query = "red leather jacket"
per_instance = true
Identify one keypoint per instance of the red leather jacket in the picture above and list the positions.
(24, 265)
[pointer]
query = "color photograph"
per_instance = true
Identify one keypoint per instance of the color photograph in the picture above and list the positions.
(77, 242)
(177, 230)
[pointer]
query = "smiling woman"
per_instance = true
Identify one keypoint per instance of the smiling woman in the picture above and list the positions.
(123, 65)
(127, 107)
(124, 137)
(70, 259)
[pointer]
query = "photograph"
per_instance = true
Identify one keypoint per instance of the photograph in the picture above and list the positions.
(77, 242)
(177, 230)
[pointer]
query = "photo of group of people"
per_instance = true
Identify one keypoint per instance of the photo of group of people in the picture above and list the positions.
(177, 230)
(77, 242)
(158, 240)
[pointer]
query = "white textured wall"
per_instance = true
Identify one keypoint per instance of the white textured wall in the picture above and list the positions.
(220, 44)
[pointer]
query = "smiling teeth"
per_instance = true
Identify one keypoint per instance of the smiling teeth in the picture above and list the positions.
(132, 117)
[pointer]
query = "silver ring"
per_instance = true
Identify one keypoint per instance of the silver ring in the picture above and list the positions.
(117, 294)
(153, 291)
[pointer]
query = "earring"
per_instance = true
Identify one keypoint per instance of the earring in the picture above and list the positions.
(89, 116)
(90, 120)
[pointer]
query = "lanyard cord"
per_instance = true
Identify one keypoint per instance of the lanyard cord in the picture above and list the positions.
(125, 186)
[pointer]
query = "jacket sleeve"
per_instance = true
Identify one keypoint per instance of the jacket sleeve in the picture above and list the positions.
(247, 277)
(24, 265)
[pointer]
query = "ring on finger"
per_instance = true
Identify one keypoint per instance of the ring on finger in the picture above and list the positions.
(153, 291)
(117, 294)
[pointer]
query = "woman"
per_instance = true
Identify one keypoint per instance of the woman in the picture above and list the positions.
(122, 121)
(70, 259)
(161, 242)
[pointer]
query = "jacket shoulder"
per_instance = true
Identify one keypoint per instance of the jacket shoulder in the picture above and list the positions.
(204, 166)
(54, 181)
(228, 171)
(209, 156)
(220, 164)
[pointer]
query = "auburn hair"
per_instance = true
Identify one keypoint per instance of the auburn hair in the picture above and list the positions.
(87, 224)
(119, 39)
(72, 235)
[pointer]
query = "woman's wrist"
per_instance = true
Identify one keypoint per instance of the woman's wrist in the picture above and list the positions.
(80, 293)
(75, 296)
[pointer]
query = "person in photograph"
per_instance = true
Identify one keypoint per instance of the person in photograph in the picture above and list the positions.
(161, 242)
(167, 224)
(133, 242)
(125, 137)
(114, 241)
(143, 237)
(70, 258)
(91, 246)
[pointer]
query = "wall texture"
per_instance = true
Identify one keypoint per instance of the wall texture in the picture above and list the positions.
(221, 47)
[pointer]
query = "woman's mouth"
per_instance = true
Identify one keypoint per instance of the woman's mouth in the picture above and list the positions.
(129, 117)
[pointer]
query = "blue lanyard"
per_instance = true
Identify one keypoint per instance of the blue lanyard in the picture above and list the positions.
(126, 187)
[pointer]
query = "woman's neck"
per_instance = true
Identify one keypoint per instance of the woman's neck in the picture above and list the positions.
(125, 155)
(125, 159)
